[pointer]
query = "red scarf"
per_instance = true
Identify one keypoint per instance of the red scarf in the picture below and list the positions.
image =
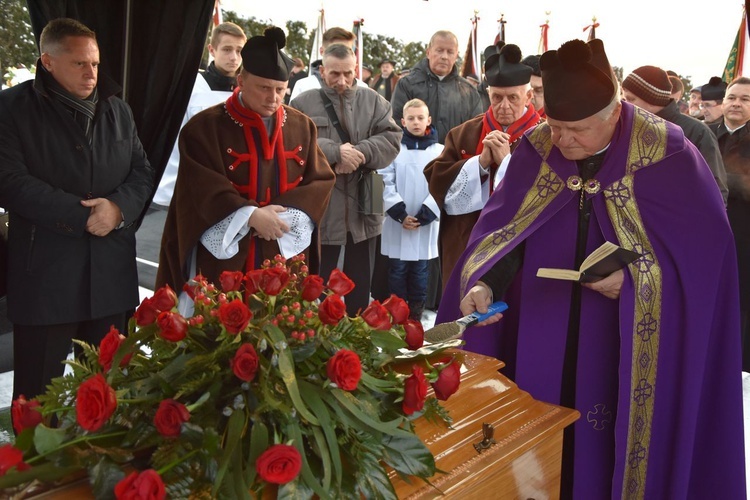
(516, 129)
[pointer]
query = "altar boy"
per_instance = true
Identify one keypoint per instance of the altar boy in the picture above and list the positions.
(410, 232)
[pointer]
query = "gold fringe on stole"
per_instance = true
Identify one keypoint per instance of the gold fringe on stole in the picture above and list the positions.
(647, 146)
(546, 186)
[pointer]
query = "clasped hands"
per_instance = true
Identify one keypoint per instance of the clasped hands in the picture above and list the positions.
(496, 148)
(351, 159)
(105, 216)
(267, 224)
(410, 223)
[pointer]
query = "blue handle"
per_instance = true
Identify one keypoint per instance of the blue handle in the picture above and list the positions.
(476, 317)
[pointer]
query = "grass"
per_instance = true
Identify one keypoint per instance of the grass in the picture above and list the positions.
(6, 428)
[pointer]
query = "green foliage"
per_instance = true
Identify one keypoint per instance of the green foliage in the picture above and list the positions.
(17, 43)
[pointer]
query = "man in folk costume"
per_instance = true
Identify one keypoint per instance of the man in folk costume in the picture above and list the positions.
(252, 181)
(649, 355)
(476, 153)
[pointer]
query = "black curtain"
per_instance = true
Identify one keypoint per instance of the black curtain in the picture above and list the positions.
(160, 61)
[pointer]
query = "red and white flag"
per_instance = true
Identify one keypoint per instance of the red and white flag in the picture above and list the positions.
(318, 41)
(542, 48)
(472, 63)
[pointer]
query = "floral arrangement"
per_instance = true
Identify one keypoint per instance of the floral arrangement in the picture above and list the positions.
(265, 389)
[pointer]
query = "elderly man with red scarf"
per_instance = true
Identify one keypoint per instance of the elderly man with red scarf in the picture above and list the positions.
(252, 181)
(476, 153)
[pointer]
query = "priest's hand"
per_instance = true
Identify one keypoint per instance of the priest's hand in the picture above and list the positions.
(104, 217)
(610, 286)
(350, 160)
(479, 299)
(410, 223)
(267, 224)
(496, 146)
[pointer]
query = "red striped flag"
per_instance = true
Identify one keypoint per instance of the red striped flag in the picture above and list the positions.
(542, 48)
(217, 13)
(471, 64)
(500, 37)
(591, 29)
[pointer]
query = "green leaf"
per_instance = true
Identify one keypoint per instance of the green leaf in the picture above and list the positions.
(307, 475)
(312, 396)
(351, 404)
(377, 384)
(375, 484)
(234, 433)
(325, 456)
(258, 444)
(104, 476)
(241, 489)
(387, 340)
(408, 454)
(47, 439)
(286, 367)
(47, 472)
(294, 490)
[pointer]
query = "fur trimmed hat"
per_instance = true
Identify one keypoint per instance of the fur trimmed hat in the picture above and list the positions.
(650, 84)
(714, 90)
(262, 55)
(504, 69)
(578, 80)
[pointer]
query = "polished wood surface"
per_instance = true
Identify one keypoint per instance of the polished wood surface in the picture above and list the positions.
(524, 462)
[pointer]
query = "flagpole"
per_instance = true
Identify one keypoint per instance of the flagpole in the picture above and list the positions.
(542, 48)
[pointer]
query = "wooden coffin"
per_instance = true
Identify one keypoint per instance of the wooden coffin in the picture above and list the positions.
(523, 463)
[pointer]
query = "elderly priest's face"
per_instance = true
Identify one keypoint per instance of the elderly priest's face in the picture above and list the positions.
(262, 95)
(584, 138)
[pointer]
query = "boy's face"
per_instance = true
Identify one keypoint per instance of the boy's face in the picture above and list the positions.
(416, 120)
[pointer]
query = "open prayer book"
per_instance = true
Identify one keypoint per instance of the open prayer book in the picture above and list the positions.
(602, 262)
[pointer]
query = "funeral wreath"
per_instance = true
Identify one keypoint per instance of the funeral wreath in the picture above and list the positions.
(268, 388)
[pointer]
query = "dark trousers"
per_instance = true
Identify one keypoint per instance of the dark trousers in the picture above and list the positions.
(359, 260)
(38, 351)
(408, 279)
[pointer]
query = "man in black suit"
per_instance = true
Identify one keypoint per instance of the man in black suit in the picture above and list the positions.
(75, 179)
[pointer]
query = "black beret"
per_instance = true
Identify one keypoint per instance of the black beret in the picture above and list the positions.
(262, 55)
(714, 90)
(504, 69)
(578, 80)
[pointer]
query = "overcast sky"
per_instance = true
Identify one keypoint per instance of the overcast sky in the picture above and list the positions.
(671, 35)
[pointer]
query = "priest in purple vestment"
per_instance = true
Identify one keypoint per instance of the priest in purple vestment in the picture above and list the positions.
(649, 355)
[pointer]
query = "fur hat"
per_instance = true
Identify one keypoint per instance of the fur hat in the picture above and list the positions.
(262, 55)
(650, 84)
(578, 80)
(504, 69)
(714, 90)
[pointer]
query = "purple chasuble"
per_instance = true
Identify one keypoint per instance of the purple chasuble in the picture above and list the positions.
(658, 380)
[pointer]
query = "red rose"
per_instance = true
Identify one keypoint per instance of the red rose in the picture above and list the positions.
(398, 309)
(415, 391)
(235, 316)
(146, 313)
(95, 403)
(279, 464)
(193, 286)
(414, 334)
(252, 281)
(10, 457)
(448, 381)
(146, 485)
(164, 299)
(340, 283)
(377, 316)
(245, 363)
(273, 280)
(331, 310)
(170, 416)
(172, 326)
(344, 369)
(312, 287)
(231, 280)
(25, 414)
(108, 348)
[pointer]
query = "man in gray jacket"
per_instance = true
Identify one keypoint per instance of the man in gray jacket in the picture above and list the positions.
(451, 99)
(357, 134)
(649, 88)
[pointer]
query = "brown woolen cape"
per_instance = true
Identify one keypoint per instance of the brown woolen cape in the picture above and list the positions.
(204, 192)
